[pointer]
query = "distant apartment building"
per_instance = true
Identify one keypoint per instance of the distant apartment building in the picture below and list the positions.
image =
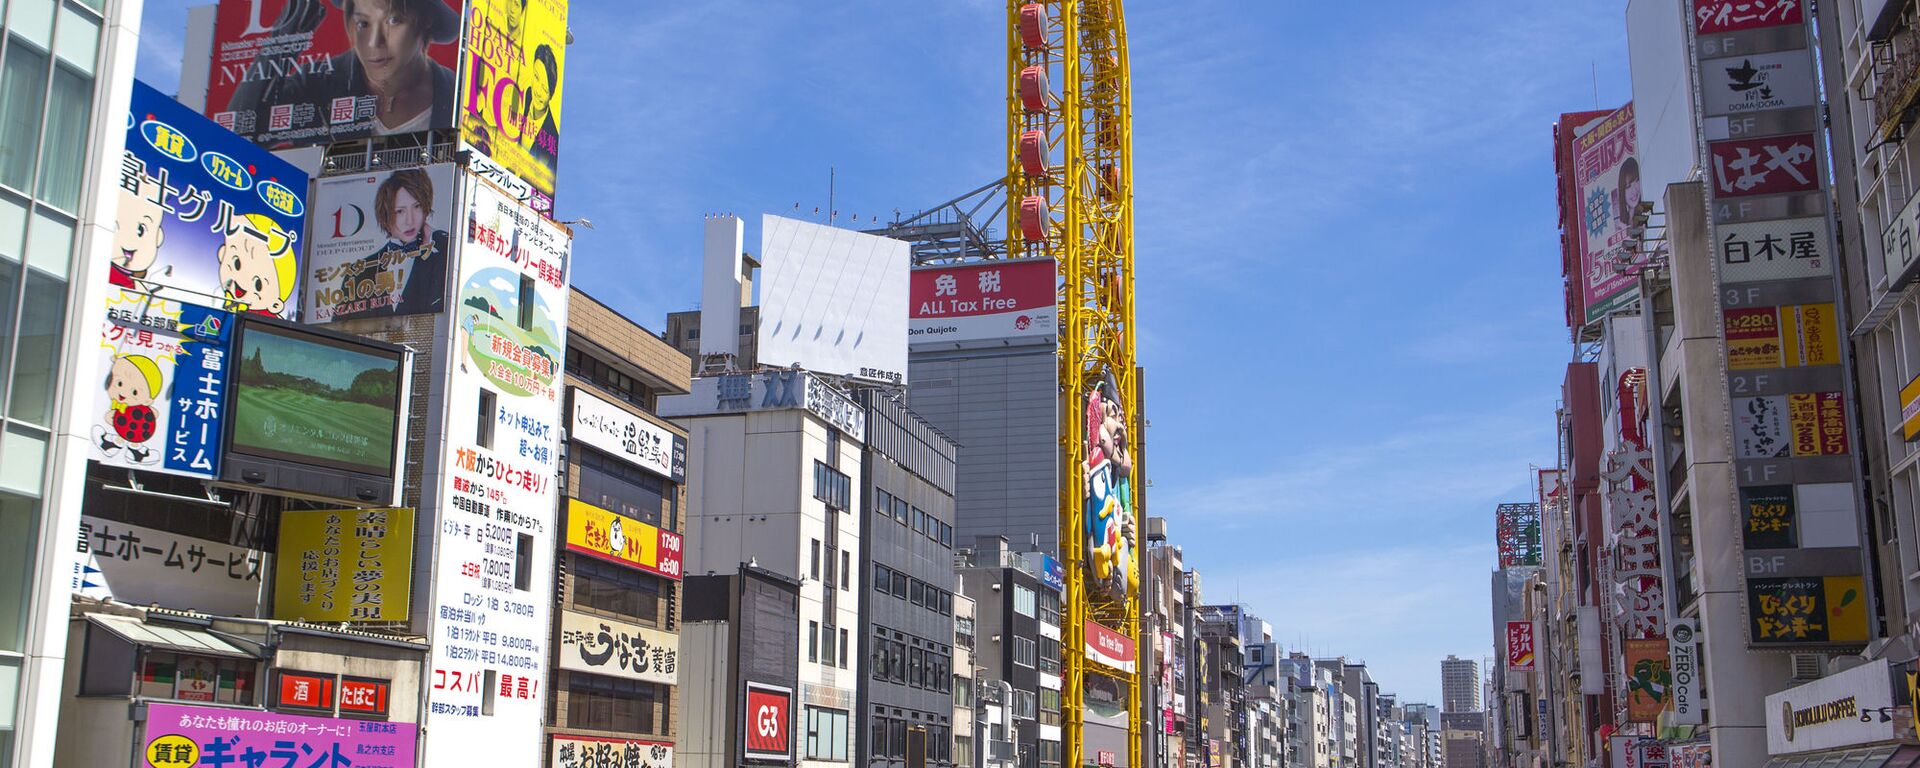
(1459, 685)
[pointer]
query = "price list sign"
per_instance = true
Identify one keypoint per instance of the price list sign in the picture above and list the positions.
(1800, 512)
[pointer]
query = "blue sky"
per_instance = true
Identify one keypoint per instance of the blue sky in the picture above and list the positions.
(1348, 272)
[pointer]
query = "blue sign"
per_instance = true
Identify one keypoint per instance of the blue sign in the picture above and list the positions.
(205, 217)
(1053, 574)
(165, 386)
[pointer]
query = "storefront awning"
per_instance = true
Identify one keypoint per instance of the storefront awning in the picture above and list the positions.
(1886, 756)
(172, 638)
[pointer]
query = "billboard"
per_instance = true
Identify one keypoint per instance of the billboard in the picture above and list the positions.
(1806, 609)
(325, 401)
(1769, 165)
(1567, 131)
(165, 392)
(973, 302)
(380, 244)
(1517, 533)
(344, 565)
(1520, 646)
(1111, 530)
(614, 648)
(143, 566)
(833, 300)
(768, 723)
(1741, 84)
(1786, 336)
(498, 487)
(292, 73)
(600, 423)
(1711, 17)
(1109, 648)
(571, 751)
(204, 217)
(1607, 177)
(511, 88)
(1649, 678)
(615, 537)
(182, 736)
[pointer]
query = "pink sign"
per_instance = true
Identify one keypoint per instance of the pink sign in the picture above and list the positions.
(1108, 647)
(1716, 16)
(1765, 166)
(1608, 179)
(1520, 645)
(992, 300)
(182, 736)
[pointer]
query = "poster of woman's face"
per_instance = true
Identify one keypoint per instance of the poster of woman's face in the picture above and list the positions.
(380, 244)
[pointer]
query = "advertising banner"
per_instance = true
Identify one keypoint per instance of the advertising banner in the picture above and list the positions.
(380, 244)
(571, 751)
(1788, 336)
(1769, 165)
(1834, 712)
(617, 649)
(344, 565)
(182, 736)
(600, 423)
(1520, 646)
(143, 566)
(1807, 609)
(166, 386)
(493, 578)
(1649, 679)
(833, 300)
(1111, 530)
(292, 73)
(204, 217)
(1716, 16)
(974, 302)
(1109, 648)
(511, 88)
(612, 536)
(1779, 249)
(1608, 177)
(767, 729)
(1683, 655)
(1743, 84)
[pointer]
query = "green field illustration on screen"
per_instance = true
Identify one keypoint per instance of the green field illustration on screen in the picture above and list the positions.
(303, 399)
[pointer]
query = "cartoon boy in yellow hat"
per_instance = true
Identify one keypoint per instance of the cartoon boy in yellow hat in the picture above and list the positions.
(132, 384)
(256, 266)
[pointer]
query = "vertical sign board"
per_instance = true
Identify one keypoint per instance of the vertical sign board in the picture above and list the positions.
(1608, 179)
(1786, 361)
(510, 89)
(344, 565)
(1520, 646)
(1683, 660)
(493, 575)
(1517, 533)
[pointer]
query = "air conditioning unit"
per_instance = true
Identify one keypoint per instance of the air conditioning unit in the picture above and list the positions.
(1808, 666)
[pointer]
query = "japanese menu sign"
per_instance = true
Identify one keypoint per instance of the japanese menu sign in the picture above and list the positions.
(141, 566)
(342, 565)
(612, 536)
(614, 648)
(1793, 437)
(165, 391)
(185, 736)
(498, 488)
(571, 751)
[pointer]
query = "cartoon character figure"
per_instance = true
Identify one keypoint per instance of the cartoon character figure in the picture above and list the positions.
(257, 267)
(133, 383)
(136, 244)
(1650, 679)
(616, 538)
(1109, 511)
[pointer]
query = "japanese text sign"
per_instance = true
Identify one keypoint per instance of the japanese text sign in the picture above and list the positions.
(203, 216)
(617, 649)
(996, 300)
(1649, 679)
(184, 736)
(600, 423)
(1520, 646)
(165, 392)
(302, 690)
(1806, 609)
(343, 565)
(612, 536)
(381, 244)
(1716, 16)
(1765, 166)
(511, 88)
(594, 752)
(143, 566)
(1780, 249)
(1608, 177)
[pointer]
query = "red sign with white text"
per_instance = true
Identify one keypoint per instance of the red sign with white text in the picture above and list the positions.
(360, 696)
(766, 722)
(1520, 645)
(301, 690)
(1716, 16)
(993, 300)
(1765, 166)
(1108, 647)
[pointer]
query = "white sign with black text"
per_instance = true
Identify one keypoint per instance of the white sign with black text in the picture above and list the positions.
(1683, 652)
(615, 430)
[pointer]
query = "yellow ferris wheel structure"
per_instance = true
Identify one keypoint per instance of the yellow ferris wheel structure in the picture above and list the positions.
(1070, 199)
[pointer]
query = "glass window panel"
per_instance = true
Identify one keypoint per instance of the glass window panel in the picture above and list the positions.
(77, 41)
(50, 245)
(63, 154)
(23, 91)
(37, 358)
(23, 459)
(18, 516)
(32, 19)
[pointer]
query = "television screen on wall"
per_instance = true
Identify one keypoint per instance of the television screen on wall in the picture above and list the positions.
(304, 399)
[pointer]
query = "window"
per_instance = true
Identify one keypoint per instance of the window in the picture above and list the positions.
(1049, 753)
(1049, 707)
(483, 435)
(1023, 651)
(882, 503)
(843, 649)
(813, 641)
(900, 510)
(946, 535)
(816, 560)
(919, 521)
(827, 639)
(486, 691)
(918, 592)
(832, 486)
(523, 562)
(1023, 704)
(899, 585)
(831, 575)
(963, 631)
(916, 667)
(962, 692)
(833, 447)
(882, 579)
(610, 379)
(846, 571)
(612, 484)
(1049, 656)
(611, 704)
(897, 738)
(603, 586)
(963, 750)
(169, 675)
(1023, 600)
(526, 302)
(1050, 607)
(897, 661)
(877, 739)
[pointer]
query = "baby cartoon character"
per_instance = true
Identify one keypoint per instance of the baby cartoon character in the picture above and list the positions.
(136, 246)
(132, 384)
(256, 266)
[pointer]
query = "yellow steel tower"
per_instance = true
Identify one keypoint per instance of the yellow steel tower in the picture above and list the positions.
(1070, 198)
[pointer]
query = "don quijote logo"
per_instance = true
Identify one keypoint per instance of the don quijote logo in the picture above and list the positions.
(1022, 322)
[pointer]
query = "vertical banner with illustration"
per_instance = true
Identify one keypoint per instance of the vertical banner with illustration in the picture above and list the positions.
(203, 217)
(1649, 679)
(511, 88)
(165, 390)
(493, 575)
(1608, 177)
(1111, 530)
(380, 244)
(344, 565)
(292, 73)
(1786, 361)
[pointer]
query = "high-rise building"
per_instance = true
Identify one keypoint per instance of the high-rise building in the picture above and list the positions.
(1459, 685)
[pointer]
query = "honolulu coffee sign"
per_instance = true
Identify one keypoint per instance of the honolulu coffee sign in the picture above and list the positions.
(1827, 713)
